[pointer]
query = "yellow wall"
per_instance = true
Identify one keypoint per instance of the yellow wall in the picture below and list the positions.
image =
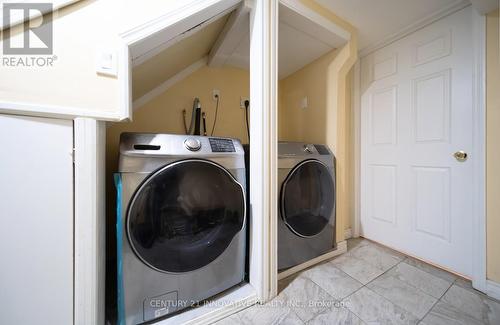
(328, 117)
(493, 146)
(310, 124)
(164, 113)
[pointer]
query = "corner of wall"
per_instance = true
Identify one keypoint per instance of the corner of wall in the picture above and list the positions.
(492, 147)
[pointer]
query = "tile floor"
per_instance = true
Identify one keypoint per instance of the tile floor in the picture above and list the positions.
(371, 284)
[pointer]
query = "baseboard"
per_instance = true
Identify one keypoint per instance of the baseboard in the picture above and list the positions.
(341, 249)
(347, 233)
(493, 289)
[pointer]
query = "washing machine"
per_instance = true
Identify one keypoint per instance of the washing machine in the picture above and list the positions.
(306, 221)
(181, 228)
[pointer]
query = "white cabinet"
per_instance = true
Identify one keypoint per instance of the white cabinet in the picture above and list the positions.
(36, 220)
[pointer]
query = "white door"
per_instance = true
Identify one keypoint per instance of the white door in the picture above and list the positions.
(36, 220)
(416, 112)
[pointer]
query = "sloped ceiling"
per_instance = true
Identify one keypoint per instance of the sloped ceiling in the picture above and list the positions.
(300, 42)
(295, 50)
(153, 72)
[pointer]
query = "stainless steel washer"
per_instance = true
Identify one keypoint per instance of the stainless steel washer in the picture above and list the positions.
(182, 222)
(306, 225)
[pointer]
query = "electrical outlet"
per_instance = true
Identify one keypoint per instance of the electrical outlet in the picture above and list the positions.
(304, 102)
(242, 101)
(215, 94)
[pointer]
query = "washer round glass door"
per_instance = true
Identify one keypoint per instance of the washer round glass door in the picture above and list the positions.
(185, 215)
(308, 198)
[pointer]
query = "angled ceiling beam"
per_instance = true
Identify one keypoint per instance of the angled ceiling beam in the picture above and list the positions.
(236, 27)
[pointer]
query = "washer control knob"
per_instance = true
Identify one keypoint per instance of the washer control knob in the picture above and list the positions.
(192, 144)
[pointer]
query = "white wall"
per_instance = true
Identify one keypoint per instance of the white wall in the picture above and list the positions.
(80, 32)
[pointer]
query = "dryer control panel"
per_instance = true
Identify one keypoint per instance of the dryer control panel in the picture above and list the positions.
(222, 145)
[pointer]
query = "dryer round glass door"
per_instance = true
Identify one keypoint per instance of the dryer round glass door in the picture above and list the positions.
(308, 198)
(185, 215)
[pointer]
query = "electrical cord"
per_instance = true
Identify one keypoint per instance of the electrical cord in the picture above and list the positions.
(215, 118)
(247, 105)
(184, 113)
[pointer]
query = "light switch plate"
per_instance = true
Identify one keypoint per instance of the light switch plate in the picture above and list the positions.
(304, 102)
(106, 63)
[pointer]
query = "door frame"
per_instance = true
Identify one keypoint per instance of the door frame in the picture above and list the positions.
(479, 141)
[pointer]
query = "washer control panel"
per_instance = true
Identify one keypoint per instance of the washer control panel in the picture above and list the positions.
(221, 145)
(192, 144)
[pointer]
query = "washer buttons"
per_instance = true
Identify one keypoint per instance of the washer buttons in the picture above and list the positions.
(192, 144)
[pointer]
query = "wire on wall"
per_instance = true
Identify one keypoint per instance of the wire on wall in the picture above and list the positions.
(247, 105)
(216, 111)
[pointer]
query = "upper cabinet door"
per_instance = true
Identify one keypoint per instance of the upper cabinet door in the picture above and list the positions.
(36, 216)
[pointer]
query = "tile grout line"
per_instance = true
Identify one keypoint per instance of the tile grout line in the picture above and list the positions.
(365, 286)
(438, 300)
(419, 289)
(405, 258)
(340, 301)
(321, 288)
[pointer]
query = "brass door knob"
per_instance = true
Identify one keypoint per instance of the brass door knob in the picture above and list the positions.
(460, 155)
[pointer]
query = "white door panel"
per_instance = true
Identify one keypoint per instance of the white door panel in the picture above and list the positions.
(416, 111)
(36, 214)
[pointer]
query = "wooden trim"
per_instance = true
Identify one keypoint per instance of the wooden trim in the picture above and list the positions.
(340, 142)
(146, 37)
(164, 86)
(341, 249)
(89, 254)
(356, 107)
(448, 10)
(318, 19)
(232, 302)
(263, 145)
(348, 233)
(273, 148)
(493, 289)
(479, 151)
(177, 38)
(125, 82)
(54, 111)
